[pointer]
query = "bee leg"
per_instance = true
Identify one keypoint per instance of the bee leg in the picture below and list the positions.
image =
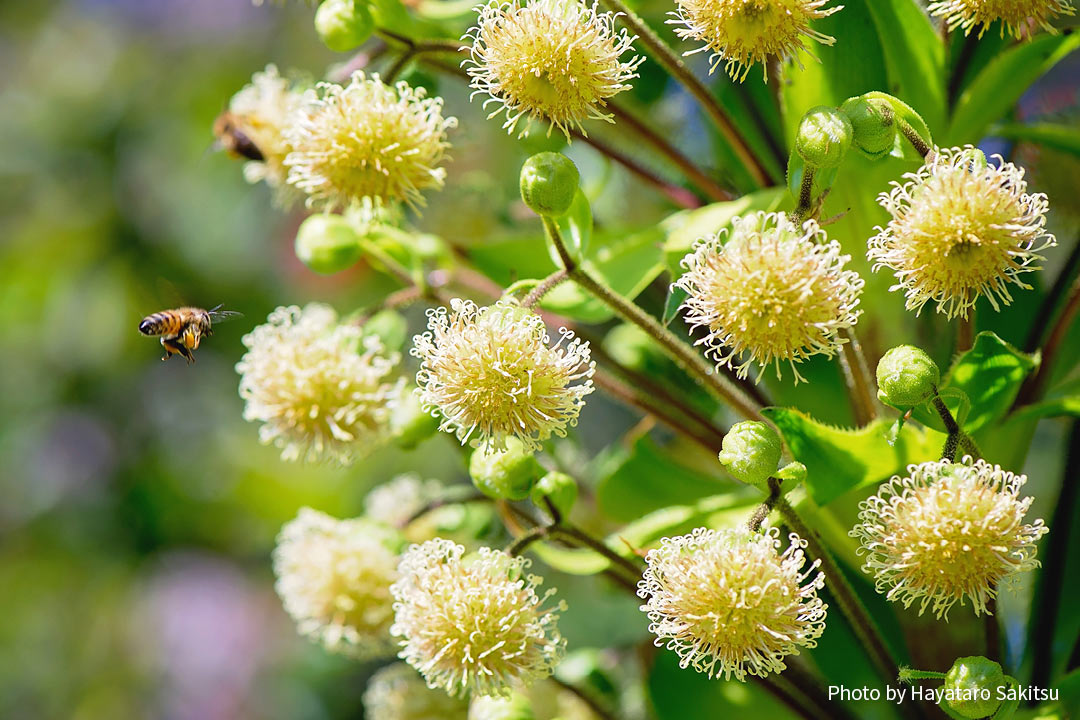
(174, 346)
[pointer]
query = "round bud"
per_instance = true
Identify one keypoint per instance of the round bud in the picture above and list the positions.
(506, 474)
(751, 451)
(514, 707)
(410, 425)
(549, 182)
(906, 377)
(873, 125)
(973, 682)
(824, 137)
(327, 243)
(343, 25)
(559, 488)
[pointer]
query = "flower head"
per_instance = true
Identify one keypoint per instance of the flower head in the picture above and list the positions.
(770, 292)
(260, 113)
(397, 692)
(946, 532)
(1019, 16)
(473, 625)
(740, 33)
(334, 580)
(550, 59)
(961, 229)
(320, 389)
(729, 603)
(491, 373)
(368, 140)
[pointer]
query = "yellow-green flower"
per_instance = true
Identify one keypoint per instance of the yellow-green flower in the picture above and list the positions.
(474, 625)
(946, 532)
(740, 33)
(491, 373)
(770, 292)
(558, 60)
(1020, 17)
(334, 580)
(729, 603)
(368, 140)
(961, 228)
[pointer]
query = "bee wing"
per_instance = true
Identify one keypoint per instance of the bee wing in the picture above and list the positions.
(217, 315)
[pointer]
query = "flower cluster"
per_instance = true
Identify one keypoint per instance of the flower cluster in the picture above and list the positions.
(368, 140)
(473, 625)
(946, 532)
(740, 33)
(769, 291)
(320, 389)
(334, 580)
(255, 125)
(558, 60)
(729, 603)
(491, 374)
(961, 229)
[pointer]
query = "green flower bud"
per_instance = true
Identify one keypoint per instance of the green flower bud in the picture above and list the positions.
(974, 682)
(506, 474)
(549, 182)
(751, 451)
(327, 243)
(559, 488)
(906, 377)
(343, 24)
(824, 137)
(515, 707)
(873, 125)
(410, 425)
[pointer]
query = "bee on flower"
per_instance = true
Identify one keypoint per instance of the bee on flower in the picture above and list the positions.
(555, 60)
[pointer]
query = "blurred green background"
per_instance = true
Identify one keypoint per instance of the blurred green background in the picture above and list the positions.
(137, 510)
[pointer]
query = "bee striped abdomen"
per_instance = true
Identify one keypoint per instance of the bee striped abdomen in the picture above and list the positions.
(167, 322)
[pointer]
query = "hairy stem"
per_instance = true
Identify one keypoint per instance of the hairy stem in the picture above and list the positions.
(546, 285)
(675, 67)
(858, 379)
(683, 355)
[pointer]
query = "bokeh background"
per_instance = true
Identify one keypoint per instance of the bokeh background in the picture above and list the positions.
(137, 510)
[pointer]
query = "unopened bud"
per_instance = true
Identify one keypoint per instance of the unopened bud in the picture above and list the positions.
(824, 137)
(906, 377)
(409, 423)
(972, 683)
(504, 474)
(343, 25)
(751, 451)
(327, 243)
(549, 182)
(873, 125)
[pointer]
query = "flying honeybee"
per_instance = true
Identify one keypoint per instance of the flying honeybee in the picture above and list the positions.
(182, 329)
(229, 129)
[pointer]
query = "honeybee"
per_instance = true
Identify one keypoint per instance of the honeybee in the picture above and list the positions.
(228, 129)
(182, 329)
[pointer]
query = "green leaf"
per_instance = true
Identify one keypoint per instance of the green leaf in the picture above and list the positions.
(914, 57)
(1056, 407)
(1002, 82)
(685, 228)
(1058, 136)
(839, 460)
(675, 298)
(989, 375)
(649, 478)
